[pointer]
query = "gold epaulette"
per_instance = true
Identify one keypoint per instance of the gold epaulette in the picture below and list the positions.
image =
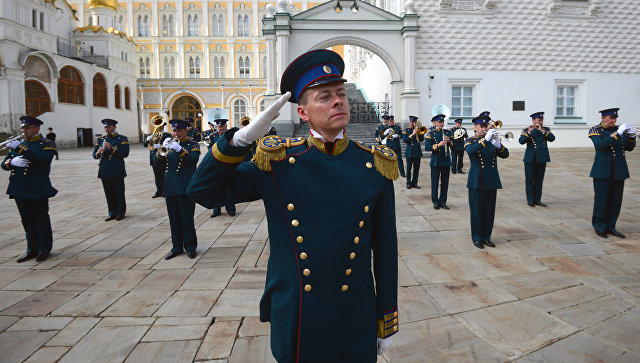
(594, 131)
(384, 159)
(273, 147)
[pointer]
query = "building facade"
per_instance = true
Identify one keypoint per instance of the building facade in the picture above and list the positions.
(69, 76)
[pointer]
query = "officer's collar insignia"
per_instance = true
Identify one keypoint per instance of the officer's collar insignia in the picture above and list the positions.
(35, 138)
(112, 135)
(338, 148)
(273, 147)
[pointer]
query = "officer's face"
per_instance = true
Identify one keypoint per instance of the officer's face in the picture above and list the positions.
(30, 130)
(179, 132)
(392, 122)
(481, 129)
(439, 124)
(537, 121)
(222, 129)
(326, 108)
(109, 129)
(211, 127)
(458, 124)
(609, 120)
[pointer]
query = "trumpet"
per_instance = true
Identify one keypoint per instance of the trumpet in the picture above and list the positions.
(497, 124)
(3, 145)
(422, 129)
(164, 149)
(158, 122)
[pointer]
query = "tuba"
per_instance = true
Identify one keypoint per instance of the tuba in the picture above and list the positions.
(158, 122)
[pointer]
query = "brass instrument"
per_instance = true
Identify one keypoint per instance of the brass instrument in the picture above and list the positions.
(458, 134)
(422, 129)
(497, 124)
(3, 145)
(158, 122)
(244, 121)
(164, 149)
(388, 136)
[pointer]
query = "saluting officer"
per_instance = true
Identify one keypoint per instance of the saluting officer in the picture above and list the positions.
(413, 152)
(111, 150)
(194, 134)
(207, 135)
(609, 170)
(536, 157)
(381, 128)
(29, 161)
(157, 164)
(438, 141)
(182, 158)
(221, 123)
(483, 180)
(457, 148)
(392, 135)
(330, 204)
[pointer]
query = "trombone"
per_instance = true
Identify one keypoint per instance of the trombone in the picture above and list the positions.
(3, 145)
(158, 122)
(497, 124)
(421, 129)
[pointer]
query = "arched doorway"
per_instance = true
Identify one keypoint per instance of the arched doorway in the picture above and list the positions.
(187, 106)
(36, 97)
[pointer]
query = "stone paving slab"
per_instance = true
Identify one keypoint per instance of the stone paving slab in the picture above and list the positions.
(552, 290)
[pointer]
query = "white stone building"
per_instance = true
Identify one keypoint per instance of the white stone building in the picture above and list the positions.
(69, 77)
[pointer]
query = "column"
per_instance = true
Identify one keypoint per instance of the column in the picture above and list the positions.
(206, 69)
(180, 73)
(156, 72)
(155, 22)
(205, 19)
(271, 64)
(180, 18)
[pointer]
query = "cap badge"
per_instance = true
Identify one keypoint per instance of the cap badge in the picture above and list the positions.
(326, 69)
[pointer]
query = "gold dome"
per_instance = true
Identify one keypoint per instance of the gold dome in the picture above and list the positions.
(112, 4)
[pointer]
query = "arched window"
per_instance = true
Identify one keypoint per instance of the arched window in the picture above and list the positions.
(196, 25)
(239, 110)
(194, 67)
(169, 67)
(187, 106)
(218, 25)
(70, 86)
(145, 67)
(193, 25)
(262, 105)
(244, 66)
(127, 98)
(218, 67)
(99, 90)
(146, 25)
(243, 26)
(143, 25)
(116, 95)
(190, 26)
(168, 26)
(36, 98)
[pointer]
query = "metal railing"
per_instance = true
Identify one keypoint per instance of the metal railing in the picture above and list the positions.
(368, 112)
(69, 50)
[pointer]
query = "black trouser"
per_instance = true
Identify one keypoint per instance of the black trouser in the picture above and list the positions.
(34, 214)
(533, 178)
(482, 204)
(158, 174)
(412, 178)
(231, 209)
(457, 157)
(400, 162)
(114, 192)
(183, 231)
(439, 175)
(607, 202)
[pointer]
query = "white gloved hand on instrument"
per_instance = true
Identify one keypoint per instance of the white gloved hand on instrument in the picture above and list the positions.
(622, 128)
(19, 161)
(490, 134)
(260, 125)
(13, 144)
(149, 138)
(175, 146)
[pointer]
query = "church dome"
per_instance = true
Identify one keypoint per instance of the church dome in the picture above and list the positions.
(111, 4)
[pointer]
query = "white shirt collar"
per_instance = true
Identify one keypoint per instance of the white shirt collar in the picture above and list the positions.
(317, 135)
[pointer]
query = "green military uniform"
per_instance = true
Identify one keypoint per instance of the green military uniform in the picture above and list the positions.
(393, 143)
(440, 163)
(319, 278)
(413, 153)
(207, 136)
(179, 170)
(536, 157)
(609, 170)
(112, 172)
(157, 164)
(483, 182)
(31, 188)
(457, 149)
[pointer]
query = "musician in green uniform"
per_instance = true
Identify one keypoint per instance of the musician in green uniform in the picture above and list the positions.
(29, 162)
(194, 134)
(483, 180)
(438, 142)
(383, 126)
(457, 147)
(391, 138)
(208, 135)
(182, 154)
(535, 158)
(157, 165)
(111, 150)
(413, 152)
(609, 170)
(329, 203)
(221, 124)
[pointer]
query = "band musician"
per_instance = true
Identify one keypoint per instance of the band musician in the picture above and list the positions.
(536, 157)
(412, 136)
(111, 149)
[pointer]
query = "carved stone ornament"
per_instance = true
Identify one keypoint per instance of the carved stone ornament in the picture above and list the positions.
(573, 9)
(483, 7)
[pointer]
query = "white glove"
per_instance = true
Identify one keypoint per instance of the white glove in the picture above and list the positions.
(166, 141)
(13, 144)
(175, 147)
(632, 132)
(622, 128)
(156, 146)
(496, 142)
(395, 136)
(261, 124)
(19, 161)
(490, 134)
(149, 138)
(384, 344)
(386, 132)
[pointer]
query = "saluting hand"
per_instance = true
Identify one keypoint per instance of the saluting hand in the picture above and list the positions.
(261, 124)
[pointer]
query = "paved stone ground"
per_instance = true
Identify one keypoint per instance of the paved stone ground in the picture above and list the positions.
(551, 291)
